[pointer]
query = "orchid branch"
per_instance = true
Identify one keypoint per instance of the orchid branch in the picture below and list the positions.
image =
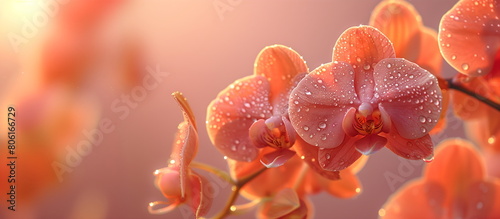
(452, 84)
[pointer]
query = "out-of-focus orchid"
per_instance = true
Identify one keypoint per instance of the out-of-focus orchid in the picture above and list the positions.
(177, 182)
(251, 113)
(52, 120)
(364, 100)
(402, 24)
(454, 185)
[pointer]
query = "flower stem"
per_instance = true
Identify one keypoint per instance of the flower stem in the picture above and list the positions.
(456, 86)
(235, 191)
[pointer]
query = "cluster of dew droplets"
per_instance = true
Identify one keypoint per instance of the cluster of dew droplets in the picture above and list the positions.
(478, 16)
(252, 107)
(399, 87)
(315, 91)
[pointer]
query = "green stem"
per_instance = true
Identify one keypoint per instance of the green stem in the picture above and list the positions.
(235, 191)
(452, 84)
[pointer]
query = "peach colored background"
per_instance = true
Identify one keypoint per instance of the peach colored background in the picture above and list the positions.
(202, 54)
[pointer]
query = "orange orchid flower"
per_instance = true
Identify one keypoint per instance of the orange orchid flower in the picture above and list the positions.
(454, 185)
(402, 24)
(252, 113)
(364, 100)
(177, 182)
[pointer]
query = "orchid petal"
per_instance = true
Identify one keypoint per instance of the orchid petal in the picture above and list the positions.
(409, 94)
(201, 198)
(347, 123)
(468, 170)
(317, 105)
(276, 132)
(232, 113)
(284, 202)
(414, 149)
(257, 132)
(310, 154)
(277, 158)
(265, 184)
(347, 187)
(171, 183)
(185, 144)
(469, 36)
(168, 207)
(482, 200)
(401, 23)
(370, 144)
(341, 157)
(362, 47)
(280, 65)
(418, 199)
(429, 57)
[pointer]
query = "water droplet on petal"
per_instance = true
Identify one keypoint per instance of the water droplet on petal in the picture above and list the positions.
(367, 67)
(322, 125)
(423, 129)
(465, 66)
(421, 119)
(429, 158)
(328, 156)
(308, 93)
(306, 128)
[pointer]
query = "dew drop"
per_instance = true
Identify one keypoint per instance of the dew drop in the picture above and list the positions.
(322, 125)
(465, 66)
(423, 129)
(421, 119)
(233, 148)
(389, 65)
(328, 156)
(308, 93)
(247, 105)
(306, 128)
(453, 57)
(429, 158)
(323, 137)
(366, 67)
